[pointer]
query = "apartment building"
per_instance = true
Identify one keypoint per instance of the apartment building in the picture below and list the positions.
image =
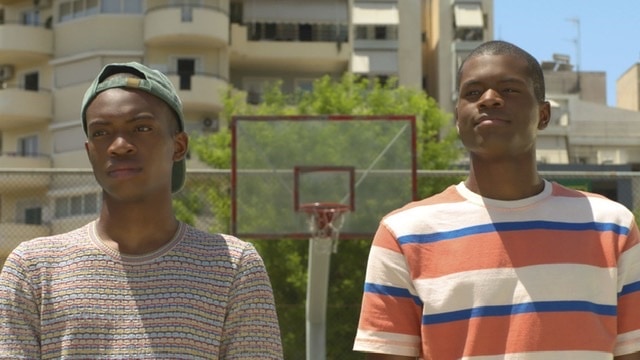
(583, 129)
(50, 50)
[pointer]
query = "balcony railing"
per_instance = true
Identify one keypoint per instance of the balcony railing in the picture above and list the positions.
(23, 43)
(319, 54)
(179, 25)
(200, 91)
(21, 107)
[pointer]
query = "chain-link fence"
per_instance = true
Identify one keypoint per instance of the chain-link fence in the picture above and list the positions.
(36, 203)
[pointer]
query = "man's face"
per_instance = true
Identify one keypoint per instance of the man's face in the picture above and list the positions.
(132, 143)
(497, 114)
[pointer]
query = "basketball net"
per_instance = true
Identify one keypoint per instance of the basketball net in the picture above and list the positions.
(325, 221)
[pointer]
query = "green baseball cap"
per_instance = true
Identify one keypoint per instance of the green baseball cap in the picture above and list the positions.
(152, 81)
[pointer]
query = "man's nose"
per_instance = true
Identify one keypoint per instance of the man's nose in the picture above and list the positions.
(121, 145)
(491, 98)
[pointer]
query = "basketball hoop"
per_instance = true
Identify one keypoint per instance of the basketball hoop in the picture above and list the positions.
(325, 219)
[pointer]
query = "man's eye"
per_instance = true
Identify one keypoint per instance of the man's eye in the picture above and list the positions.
(143, 128)
(98, 133)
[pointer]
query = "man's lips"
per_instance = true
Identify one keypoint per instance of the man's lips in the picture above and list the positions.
(123, 171)
(489, 121)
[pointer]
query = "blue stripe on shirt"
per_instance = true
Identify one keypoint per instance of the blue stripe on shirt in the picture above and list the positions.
(391, 291)
(629, 288)
(507, 310)
(511, 226)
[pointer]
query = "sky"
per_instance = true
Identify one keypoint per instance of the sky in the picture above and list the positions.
(608, 38)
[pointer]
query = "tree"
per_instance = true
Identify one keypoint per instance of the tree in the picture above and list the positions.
(286, 260)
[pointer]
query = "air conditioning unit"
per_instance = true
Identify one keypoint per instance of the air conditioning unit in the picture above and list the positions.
(210, 124)
(6, 72)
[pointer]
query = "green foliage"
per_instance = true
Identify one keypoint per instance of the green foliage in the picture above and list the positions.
(286, 260)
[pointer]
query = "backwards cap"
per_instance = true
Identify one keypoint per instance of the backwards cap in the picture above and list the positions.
(152, 81)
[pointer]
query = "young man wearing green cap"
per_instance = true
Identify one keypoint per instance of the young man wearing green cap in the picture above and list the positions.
(136, 282)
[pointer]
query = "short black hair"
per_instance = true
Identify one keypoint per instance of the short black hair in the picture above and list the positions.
(499, 47)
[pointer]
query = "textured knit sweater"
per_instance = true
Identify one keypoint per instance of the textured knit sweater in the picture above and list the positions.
(458, 276)
(201, 296)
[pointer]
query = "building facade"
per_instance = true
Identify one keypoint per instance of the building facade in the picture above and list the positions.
(50, 50)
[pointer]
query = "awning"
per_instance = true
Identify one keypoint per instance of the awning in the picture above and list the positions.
(296, 11)
(375, 14)
(374, 62)
(360, 64)
(468, 15)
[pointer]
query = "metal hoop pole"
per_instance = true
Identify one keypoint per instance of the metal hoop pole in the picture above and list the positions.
(324, 223)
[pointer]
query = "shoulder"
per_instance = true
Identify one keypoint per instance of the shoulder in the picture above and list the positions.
(55, 245)
(599, 206)
(216, 244)
(42, 257)
(568, 194)
(448, 196)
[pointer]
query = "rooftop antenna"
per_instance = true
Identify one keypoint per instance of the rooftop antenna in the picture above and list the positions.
(577, 43)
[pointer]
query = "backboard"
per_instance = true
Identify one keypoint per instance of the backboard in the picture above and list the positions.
(280, 163)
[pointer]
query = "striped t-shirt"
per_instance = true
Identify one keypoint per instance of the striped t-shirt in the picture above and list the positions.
(201, 296)
(458, 276)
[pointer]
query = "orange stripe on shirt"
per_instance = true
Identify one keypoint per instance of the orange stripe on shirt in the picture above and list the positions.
(511, 249)
(520, 333)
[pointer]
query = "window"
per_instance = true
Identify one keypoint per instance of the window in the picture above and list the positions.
(62, 210)
(74, 9)
(186, 69)
(270, 31)
(65, 12)
(304, 84)
(380, 32)
(132, 6)
(91, 7)
(31, 81)
(376, 32)
(78, 8)
(382, 79)
(305, 32)
(255, 88)
(31, 17)
(235, 12)
(28, 211)
(297, 32)
(110, 6)
(76, 205)
(33, 216)
(28, 146)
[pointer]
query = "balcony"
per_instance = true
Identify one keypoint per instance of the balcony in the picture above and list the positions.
(200, 92)
(12, 178)
(186, 25)
(17, 161)
(25, 43)
(300, 56)
(20, 107)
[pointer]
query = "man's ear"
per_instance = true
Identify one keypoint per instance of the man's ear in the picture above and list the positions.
(181, 146)
(544, 115)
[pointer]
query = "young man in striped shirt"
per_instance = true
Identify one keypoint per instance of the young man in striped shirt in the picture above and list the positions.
(504, 265)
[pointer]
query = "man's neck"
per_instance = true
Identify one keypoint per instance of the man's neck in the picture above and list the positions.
(507, 180)
(134, 230)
